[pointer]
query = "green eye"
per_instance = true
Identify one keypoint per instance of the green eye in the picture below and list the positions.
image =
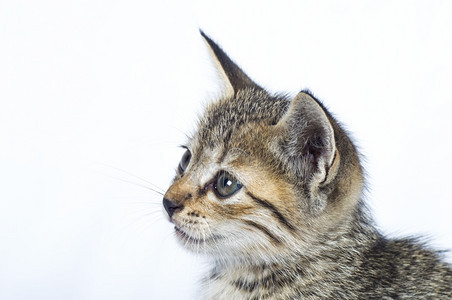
(226, 185)
(183, 164)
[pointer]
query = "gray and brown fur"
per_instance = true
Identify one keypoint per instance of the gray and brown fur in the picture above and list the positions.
(298, 228)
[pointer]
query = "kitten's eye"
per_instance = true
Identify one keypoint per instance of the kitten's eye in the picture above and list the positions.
(184, 161)
(226, 185)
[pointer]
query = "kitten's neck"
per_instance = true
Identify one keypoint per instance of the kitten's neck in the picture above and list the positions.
(333, 258)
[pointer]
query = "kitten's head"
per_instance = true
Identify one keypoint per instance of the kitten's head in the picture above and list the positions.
(263, 175)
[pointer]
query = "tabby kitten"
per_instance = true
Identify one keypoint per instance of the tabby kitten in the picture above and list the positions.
(271, 189)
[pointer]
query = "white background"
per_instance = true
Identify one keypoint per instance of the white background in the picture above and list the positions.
(94, 94)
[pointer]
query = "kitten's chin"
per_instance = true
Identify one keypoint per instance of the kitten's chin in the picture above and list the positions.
(198, 244)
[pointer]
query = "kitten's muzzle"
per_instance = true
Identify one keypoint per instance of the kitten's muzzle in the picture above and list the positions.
(171, 207)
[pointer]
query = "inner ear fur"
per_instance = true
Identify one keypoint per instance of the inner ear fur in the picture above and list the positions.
(307, 147)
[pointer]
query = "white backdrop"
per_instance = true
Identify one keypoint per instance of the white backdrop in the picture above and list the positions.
(95, 97)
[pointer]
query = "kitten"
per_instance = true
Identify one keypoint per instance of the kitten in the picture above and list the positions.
(271, 189)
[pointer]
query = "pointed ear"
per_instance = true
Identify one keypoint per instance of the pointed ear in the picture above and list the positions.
(307, 147)
(234, 78)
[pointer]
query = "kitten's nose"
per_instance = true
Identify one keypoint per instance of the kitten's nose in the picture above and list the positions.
(171, 207)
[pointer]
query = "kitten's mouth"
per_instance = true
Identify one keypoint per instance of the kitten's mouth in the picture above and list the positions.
(185, 237)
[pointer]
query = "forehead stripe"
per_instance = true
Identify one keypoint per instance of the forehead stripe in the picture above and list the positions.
(223, 155)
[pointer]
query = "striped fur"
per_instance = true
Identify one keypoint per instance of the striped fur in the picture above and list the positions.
(297, 228)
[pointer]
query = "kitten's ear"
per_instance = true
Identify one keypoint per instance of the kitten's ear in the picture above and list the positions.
(234, 78)
(307, 146)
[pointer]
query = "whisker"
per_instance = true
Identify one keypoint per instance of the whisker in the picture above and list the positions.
(159, 203)
(142, 213)
(214, 242)
(143, 221)
(149, 224)
(171, 235)
(137, 184)
(154, 187)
